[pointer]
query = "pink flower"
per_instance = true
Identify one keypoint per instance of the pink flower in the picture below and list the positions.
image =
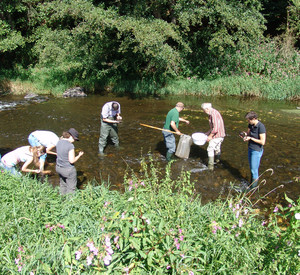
(241, 223)
(116, 239)
(61, 226)
(142, 183)
(135, 229)
(19, 268)
(275, 209)
(147, 221)
(89, 260)
(191, 273)
(181, 237)
(109, 250)
(126, 269)
(182, 255)
(177, 246)
(78, 254)
(90, 244)
(237, 214)
(168, 267)
(180, 230)
(107, 260)
(17, 261)
(263, 223)
(130, 188)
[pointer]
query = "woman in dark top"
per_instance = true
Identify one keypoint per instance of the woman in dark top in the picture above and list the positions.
(65, 161)
(256, 137)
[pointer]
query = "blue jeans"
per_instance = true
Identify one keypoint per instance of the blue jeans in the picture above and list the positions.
(170, 142)
(33, 141)
(254, 162)
(12, 170)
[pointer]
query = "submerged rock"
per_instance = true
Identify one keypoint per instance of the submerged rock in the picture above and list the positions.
(30, 96)
(74, 92)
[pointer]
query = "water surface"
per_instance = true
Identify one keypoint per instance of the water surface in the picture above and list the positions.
(19, 118)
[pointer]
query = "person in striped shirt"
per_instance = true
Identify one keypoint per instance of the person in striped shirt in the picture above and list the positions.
(216, 134)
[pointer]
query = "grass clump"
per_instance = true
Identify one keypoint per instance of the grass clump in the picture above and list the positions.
(157, 226)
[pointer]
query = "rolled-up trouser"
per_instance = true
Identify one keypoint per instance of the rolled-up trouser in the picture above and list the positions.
(170, 142)
(67, 179)
(108, 130)
(214, 147)
(254, 162)
(33, 141)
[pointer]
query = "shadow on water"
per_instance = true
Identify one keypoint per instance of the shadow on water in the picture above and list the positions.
(281, 150)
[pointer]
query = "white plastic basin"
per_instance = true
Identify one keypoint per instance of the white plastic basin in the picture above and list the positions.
(199, 138)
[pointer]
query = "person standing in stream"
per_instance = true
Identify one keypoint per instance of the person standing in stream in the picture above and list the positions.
(171, 124)
(256, 137)
(110, 118)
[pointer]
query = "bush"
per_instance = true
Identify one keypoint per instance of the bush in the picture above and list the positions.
(158, 225)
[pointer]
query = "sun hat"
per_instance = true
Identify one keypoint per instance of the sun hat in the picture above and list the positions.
(74, 133)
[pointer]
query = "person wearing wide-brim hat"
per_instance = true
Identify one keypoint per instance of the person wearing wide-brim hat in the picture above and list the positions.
(65, 161)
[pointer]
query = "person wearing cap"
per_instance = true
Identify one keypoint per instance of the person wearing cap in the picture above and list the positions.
(110, 118)
(43, 138)
(216, 134)
(171, 124)
(65, 161)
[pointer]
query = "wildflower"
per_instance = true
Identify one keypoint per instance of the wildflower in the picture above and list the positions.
(299, 253)
(237, 234)
(95, 251)
(230, 205)
(177, 246)
(102, 228)
(237, 214)
(17, 261)
(104, 219)
(126, 269)
(135, 229)
(107, 259)
(290, 205)
(31, 273)
(78, 254)
(109, 250)
(106, 204)
(182, 255)
(19, 268)
(168, 266)
(275, 209)
(130, 188)
(263, 223)
(237, 206)
(142, 183)
(181, 237)
(147, 221)
(116, 239)
(123, 216)
(246, 211)
(89, 260)
(234, 226)
(130, 199)
(90, 244)
(297, 216)
(61, 226)
(179, 230)
(136, 185)
(240, 223)
(191, 273)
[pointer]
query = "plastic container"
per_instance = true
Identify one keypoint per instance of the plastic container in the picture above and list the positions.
(199, 138)
(184, 147)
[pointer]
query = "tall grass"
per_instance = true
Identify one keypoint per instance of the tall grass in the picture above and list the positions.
(157, 226)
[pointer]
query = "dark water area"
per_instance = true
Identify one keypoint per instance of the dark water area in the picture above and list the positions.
(281, 153)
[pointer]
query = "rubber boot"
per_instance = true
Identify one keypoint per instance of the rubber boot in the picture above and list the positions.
(101, 151)
(169, 156)
(217, 158)
(211, 163)
(253, 184)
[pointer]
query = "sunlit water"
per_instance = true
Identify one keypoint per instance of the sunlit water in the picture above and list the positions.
(19, 117)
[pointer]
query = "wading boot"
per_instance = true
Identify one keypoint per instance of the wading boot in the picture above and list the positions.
(210, 163)
(217, 158)
(101, 151)
(169, 156)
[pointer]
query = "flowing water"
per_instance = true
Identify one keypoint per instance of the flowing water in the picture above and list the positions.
(19, 117)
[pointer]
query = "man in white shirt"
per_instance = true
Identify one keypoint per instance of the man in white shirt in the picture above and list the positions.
(110, 118)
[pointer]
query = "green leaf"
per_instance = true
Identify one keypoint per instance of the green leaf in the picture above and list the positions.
(67, 253)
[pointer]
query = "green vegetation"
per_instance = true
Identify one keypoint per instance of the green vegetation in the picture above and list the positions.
(157, 226)
(129, 46)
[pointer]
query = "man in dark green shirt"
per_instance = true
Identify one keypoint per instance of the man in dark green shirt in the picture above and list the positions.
(171, 124)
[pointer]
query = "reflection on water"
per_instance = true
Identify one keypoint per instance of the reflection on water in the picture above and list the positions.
(281, 150)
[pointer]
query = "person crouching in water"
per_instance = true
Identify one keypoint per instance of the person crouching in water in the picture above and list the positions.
(26, 154)
(65, 161)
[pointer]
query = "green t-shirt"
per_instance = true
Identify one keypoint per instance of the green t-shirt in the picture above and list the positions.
(173, 115)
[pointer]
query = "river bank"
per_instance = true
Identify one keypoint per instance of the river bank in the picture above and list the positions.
(242, 86)
(154, 226)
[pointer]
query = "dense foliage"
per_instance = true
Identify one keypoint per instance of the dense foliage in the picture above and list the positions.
(157, 226)
(100, 44)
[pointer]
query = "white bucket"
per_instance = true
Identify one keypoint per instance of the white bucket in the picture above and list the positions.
(199, 138)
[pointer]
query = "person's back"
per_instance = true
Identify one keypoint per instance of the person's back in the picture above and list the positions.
(21, 154)
(62, 148)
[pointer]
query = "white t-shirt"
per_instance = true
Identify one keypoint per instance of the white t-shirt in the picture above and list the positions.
(46, 138)
(21, 154)
(108, 111)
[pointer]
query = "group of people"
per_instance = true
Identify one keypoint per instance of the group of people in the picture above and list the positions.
(255, 135)
(42, 143)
